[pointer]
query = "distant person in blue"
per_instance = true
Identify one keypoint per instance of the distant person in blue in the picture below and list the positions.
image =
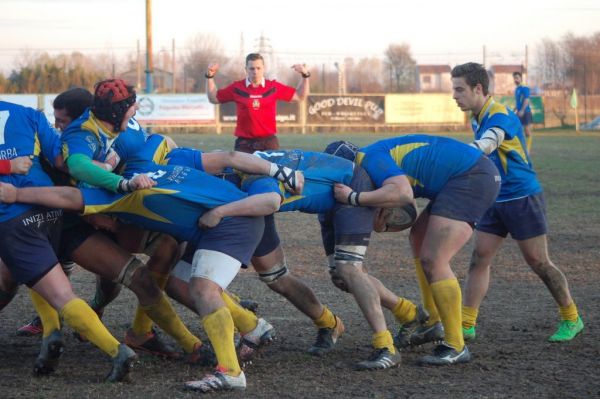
(519, 210)
(461, 184)
(523, 107)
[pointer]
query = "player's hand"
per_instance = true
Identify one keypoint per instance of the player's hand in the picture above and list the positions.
(381, 218)
(20, 165)
(141, 182)
(8, 193)
(341, 192)
(212, 69)
(209, 219)
(298, 186)
(299, 68)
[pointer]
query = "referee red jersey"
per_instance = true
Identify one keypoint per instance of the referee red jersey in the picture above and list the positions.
(256, 106)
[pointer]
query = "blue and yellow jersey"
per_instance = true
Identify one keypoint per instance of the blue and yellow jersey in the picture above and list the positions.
(521, 94)
(321, 171)
(25, 132)
(88, 136)
(427, 161)
(173, 206)
(511, 158)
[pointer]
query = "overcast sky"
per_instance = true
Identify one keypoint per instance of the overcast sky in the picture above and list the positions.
(437, 31)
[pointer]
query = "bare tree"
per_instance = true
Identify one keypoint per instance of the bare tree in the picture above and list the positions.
(402, 68)
(201, 50)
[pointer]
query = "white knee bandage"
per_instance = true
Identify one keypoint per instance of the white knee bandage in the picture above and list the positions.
(350, 253)
(182, 271)
(126, 274)
(215, 266)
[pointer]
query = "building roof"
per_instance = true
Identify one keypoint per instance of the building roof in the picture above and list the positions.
(434, 68)
(507, 68)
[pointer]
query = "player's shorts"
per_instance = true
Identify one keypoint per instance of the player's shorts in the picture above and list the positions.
(29, 242)
(235, 236)
(526, 119)
(523, 218)
(259, 144)
(270, 239)
(468, 196)
(73, 233)
(347, 224)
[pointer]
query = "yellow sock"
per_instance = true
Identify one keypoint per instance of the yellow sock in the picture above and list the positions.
(142, 324)
(243, 319)
(567, 312)
(529, 140)
(326, 320)
(448, 299)
(382, 340)
(405, 311)
(81, 318)
(469, 316)
(426, 295)
(165, 317)
(48, 315)
(219, 328)
(235, 297)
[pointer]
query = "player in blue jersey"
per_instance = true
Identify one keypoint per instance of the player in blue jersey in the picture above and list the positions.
(519, 209)
(523, 107)
(32, 232)
(460, 184)
(345, 230)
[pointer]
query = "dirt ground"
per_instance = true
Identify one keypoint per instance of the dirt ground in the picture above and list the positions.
(511, 355)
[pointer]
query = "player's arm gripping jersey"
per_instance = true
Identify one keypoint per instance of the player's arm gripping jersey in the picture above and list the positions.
(427, 161)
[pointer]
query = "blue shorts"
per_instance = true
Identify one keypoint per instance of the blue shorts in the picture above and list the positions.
(468, 196)
(236, 236)
(29, 242)
(526, 119)
(523, 218)
(347, 224)
(74, 232)
(270, 239)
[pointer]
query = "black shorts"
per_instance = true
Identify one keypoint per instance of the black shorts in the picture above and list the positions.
(526, 119)
(270, 239)
(236, 236)
(347, 224)
(523, 218)
(29, 244)
(259, 144)
(74, 233)
(468, 196)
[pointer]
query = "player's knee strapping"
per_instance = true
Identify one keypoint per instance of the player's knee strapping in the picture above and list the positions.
(126, 275)
(350, 254)
(274, 273)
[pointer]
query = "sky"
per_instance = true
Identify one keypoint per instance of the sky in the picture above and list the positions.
(310, 31)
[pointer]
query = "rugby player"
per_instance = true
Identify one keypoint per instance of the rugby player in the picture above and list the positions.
(519, 210)
(461, 184)
(32, 233)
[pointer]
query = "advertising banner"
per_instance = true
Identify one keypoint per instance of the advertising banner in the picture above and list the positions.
(415, 109)
(27, 100)
(535, 103)
(287, 113)
(175, 109)
(345, 109)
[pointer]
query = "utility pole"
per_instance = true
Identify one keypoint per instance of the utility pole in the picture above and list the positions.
(138, 66)
(173, 65)
(149, 63)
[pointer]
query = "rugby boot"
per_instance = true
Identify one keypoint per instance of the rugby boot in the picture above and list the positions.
(444, 355)
(251, 342)
(326, 338)
(33, 328)
(380, 359)
(426, 334)
(151, 343)
(567, 330)
(52, 347)
(469, 334)
(122, 365)
(402, 339)
(202, 355)
(218, 381)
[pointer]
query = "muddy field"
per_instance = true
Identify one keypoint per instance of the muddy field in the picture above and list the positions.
(511, 355)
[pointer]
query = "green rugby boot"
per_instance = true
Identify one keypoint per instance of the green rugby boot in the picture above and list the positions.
(567, 330)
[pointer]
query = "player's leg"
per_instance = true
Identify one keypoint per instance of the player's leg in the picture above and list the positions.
(220, 253)
(535, 252)
(478, 279)
(270, 264)
(8, 288)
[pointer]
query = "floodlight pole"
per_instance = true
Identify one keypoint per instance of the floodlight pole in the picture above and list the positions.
(149, 66)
